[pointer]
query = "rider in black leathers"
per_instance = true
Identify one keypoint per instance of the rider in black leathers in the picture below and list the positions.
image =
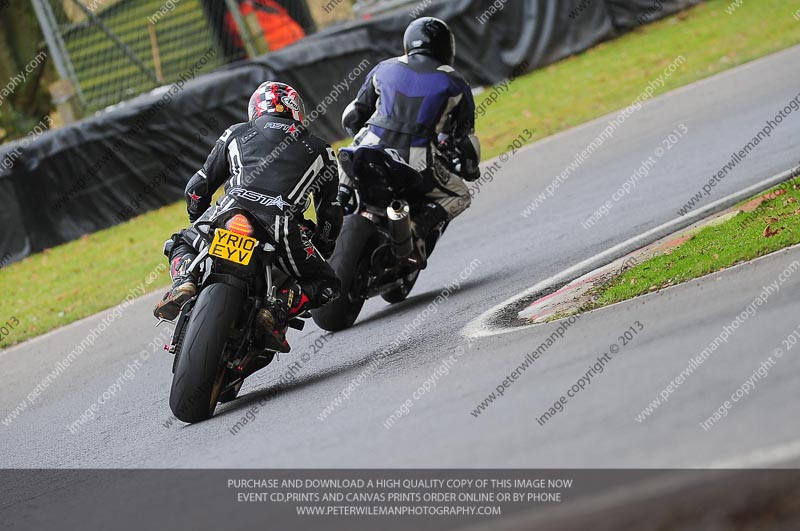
(269, 166)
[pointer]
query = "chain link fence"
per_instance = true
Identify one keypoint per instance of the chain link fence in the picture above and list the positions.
(112, 50)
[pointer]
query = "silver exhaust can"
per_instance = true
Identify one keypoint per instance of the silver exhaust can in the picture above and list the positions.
(400, 228)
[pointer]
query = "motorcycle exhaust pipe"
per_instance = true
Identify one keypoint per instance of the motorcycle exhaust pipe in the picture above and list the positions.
(400, 228)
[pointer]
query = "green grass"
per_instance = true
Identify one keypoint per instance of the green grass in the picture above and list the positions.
(82, 277)
(610, 76)
(774, 225)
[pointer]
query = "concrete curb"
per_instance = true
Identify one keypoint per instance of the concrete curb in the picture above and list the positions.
(482, 326)
(569, 299)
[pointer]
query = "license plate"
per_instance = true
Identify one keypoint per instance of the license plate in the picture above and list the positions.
(232, 247)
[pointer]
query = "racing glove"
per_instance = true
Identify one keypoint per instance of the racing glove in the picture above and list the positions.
(464, 156)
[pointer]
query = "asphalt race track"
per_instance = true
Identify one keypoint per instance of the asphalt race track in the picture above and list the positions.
(597, 427)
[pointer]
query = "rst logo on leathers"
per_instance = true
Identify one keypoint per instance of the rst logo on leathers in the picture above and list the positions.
(261, 199)
(286, 128)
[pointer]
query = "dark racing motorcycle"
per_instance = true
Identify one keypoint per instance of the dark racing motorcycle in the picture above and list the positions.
(375, 252)
(218, 339)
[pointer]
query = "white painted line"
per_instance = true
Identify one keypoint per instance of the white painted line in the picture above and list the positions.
(657, 487)
(480, 327)
(761, 458)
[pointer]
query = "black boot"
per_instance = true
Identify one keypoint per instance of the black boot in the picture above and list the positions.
(273, 322)
(427, 225)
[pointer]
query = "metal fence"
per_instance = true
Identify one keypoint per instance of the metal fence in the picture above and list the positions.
(112, 50)
(367, 8)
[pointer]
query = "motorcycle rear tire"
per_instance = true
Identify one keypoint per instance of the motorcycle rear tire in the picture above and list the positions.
(348, 260)
(400, 293)
(200, 364)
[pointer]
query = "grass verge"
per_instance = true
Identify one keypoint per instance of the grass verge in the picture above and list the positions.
(773, 225)
(77, 279)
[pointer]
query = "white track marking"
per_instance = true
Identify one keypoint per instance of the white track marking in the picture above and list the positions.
(761, 458)
(479, 327)
(659, 486)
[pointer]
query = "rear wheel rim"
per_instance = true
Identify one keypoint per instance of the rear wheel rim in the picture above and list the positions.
(215, 390)
(409, 281)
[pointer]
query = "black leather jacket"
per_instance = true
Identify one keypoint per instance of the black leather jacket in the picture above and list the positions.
(270, 166)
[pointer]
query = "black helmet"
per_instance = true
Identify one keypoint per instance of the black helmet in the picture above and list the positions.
(430, 36)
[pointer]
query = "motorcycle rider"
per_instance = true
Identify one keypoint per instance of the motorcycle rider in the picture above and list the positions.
(269, 166)
(406, 103)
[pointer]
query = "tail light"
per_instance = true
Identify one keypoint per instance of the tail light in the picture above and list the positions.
(239, 224)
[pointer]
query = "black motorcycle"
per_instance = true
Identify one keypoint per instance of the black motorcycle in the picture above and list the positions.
(220, 337)
(376, 253)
